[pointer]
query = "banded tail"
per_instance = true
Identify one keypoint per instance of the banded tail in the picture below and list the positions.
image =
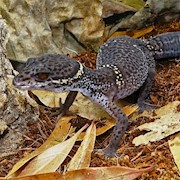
(165, 45)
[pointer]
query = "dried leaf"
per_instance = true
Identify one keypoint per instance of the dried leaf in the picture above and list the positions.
(49, 98)
(47, 176)
(174, 146)
(99, 173)
(133, 33)
(59, 134)
(113, 172)
(52, 158)
(167, 122)
(82, 157)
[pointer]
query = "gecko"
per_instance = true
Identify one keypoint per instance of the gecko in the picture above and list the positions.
(124, 65)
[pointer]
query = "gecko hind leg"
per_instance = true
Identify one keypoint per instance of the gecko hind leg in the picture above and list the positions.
(144, 92)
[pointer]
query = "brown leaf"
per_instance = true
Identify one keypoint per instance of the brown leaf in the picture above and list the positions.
(166, 123)
(52, 158)
(99, 173)
(133, 33)
(174, 146)
(82, 157)
(59, 134)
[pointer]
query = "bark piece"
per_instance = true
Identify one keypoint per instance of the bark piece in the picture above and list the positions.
(16, 107)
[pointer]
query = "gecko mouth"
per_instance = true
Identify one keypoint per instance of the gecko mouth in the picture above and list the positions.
(27, 84)
(21, 84)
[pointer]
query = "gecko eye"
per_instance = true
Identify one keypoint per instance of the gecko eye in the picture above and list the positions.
(42, 76)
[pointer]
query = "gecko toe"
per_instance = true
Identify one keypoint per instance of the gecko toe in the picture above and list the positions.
(146, 107)
(109, 152)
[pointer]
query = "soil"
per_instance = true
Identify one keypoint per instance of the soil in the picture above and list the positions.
(166, 89)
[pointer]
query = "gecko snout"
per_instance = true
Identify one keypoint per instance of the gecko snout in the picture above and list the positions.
(20, 81)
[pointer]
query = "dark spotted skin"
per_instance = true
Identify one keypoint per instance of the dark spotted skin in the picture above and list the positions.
(124, 65)
(165, 45)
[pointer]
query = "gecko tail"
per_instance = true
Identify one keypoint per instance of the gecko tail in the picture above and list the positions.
(166, 45)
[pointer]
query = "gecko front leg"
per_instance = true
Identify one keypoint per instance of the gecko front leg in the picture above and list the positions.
(119, 128)
(64, 108)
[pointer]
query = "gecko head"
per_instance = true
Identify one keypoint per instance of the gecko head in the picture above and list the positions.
(49, 72)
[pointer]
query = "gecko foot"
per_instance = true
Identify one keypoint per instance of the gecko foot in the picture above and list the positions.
(109, 152)
(145, 106)
(63, 110)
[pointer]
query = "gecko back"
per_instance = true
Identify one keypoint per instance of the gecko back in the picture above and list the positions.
(124, 55)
